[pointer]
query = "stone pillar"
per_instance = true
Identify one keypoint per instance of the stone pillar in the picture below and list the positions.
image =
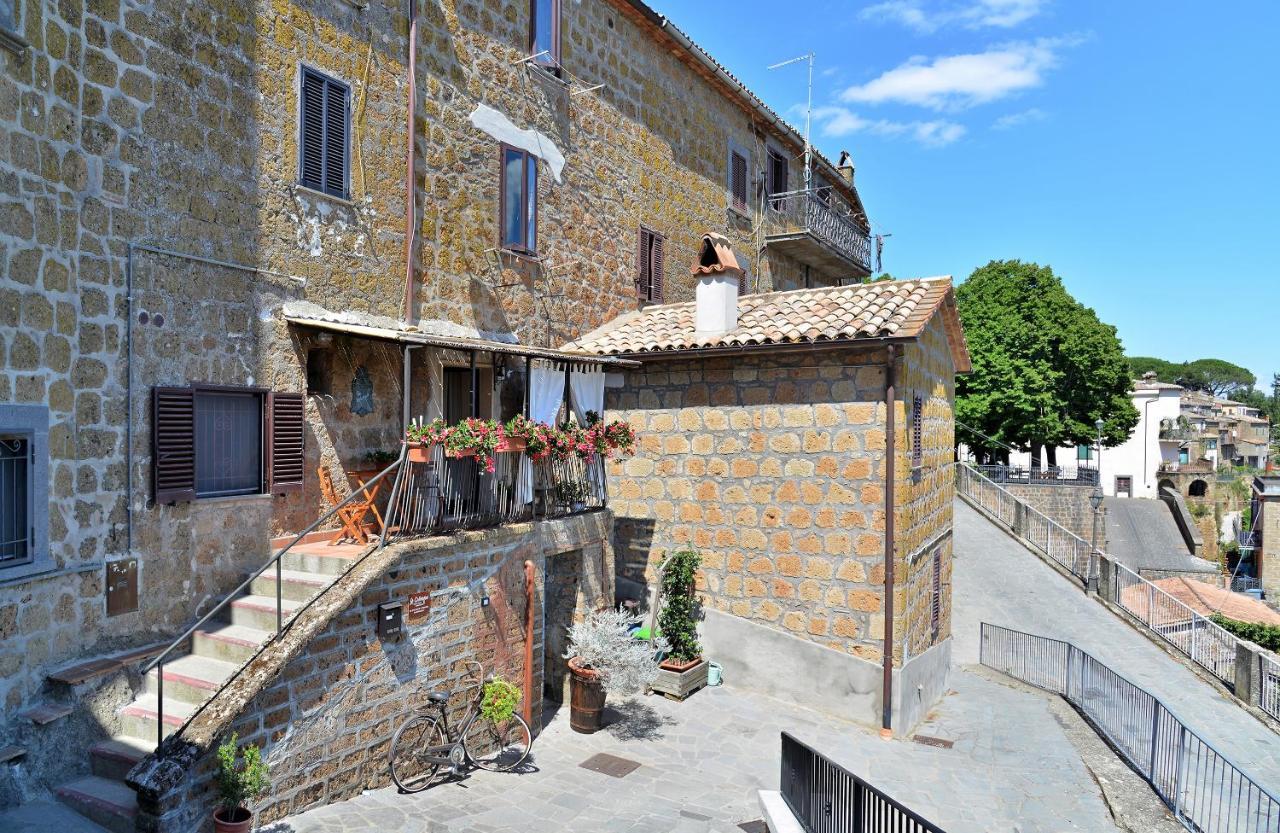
(1020, 519)
(1247, 687)
(1106, 577)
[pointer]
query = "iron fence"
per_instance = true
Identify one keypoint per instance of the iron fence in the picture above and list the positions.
(1046, 476)
(805, 210)
(1203, 788)
(827, 798)
(1269, 684)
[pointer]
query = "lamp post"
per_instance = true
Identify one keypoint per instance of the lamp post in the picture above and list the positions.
(1095, 500)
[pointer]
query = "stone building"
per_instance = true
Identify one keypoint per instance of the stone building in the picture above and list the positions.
(764, 422)
(234, 252)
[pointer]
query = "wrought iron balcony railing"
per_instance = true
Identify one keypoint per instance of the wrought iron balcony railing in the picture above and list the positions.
(804, 212)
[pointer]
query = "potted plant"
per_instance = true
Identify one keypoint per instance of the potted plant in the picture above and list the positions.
(380, 459)
(573, 494)
(683, 671)
(604, 659)
(420, 437)
(474, 437)
(521, 434)
(500, 700)
(238, 785)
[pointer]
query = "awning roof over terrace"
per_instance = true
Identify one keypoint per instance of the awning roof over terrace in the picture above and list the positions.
(316, 318)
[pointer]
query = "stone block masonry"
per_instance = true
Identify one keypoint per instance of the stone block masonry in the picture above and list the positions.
(324, 701)
(1067, 505)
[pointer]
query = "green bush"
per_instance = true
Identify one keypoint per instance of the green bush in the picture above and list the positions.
(500, 699)
(1268, 636)
(239, 785)
(678, 621)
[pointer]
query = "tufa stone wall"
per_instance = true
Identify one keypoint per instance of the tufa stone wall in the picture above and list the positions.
(324, 704)
(772, 467)
(1067, 505)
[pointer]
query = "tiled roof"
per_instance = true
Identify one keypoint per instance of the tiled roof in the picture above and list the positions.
(899, 309)
(1204, 599)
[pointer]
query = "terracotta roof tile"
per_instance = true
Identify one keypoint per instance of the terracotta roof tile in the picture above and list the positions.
(829, 314)
(1204, 599)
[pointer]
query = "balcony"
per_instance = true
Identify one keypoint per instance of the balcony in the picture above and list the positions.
(1177, 430)
(1045, 476)
(803, 226)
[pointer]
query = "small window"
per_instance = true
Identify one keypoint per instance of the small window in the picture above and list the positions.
(738, 180)
(650, 266)
(319, 372)
(544, 33)
(228, 443)
(519, 200)
(935, 609)
(917, 431)
(1084, 453)
(16, 525)
(322, 137)
(777, 178)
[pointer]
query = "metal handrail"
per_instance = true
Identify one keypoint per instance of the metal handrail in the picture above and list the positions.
(158, 661)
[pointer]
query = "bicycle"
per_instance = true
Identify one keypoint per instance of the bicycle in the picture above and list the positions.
(425, 742)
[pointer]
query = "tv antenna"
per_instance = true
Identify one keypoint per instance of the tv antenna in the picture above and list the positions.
(808, 113)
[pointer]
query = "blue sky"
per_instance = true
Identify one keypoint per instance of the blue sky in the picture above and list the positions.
(1133, 146)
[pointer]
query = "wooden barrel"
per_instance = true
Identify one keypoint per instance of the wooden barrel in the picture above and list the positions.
(586, 700)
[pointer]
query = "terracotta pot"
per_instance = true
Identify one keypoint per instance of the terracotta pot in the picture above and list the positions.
(679, 667)
(241, 820)
(513, 444)
(466, 452)
(419, 452)
(586, 698)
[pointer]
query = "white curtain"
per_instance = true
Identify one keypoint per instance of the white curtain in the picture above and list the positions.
(586, 393)
(546, 392)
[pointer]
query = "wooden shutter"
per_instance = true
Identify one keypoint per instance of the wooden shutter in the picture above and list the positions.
(742, 284)
(917, 431)
(285, 432)
(644, 243)
(335, 139)
(935, 611)
(657, 269)
(173, 444)
(312, 133)
(738, 180)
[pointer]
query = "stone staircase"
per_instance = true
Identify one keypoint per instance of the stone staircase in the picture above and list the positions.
(218, 652)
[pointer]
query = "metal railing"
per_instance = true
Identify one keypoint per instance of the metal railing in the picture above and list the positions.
(1039, 530)
(1203, 788)
(827, 798)
(275, 561)
(806, 211)
(1047, 476)
(1269, 684)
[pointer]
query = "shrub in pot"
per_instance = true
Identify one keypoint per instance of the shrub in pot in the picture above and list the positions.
(683, 670)
(604, 659)
(238, 784)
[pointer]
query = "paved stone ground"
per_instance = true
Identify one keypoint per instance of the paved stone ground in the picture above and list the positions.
(1142, 534)
(46, 817)
(999, 581)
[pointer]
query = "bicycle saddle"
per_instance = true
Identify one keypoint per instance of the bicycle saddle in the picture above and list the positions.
(438, 696)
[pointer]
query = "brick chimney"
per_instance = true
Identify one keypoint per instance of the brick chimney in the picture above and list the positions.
(719, 279)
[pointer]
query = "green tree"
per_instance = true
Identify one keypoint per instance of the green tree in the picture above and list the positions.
(1165, 371)
(1219, 377)
(1044, 367)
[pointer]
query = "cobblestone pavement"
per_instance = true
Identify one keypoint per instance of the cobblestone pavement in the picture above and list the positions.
(45, 817)
(999, 581)
(702, 761)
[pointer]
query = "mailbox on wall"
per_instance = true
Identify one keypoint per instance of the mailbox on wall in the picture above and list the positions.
(390, 620)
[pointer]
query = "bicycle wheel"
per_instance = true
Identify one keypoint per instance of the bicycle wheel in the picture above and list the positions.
(497, 747)
(409, 750)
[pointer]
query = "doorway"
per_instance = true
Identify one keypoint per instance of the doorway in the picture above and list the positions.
(563, 591)
(1124, 485)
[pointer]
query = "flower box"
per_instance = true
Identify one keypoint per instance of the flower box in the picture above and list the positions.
(678, 680)
(419, 452)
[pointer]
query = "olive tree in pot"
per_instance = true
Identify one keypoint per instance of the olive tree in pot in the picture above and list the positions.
(604, 659)
(238, 785)
(683, 671)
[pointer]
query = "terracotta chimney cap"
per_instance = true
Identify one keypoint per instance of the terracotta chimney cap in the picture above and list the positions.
(716, 256)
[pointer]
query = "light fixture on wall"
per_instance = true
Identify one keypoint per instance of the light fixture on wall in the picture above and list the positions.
(321, 339)
(499, 368)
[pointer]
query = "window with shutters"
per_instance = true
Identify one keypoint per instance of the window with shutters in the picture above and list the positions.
(776, 174)
(651, 266)
(544, 33)
(323, 133)
(518, 201)
(935, 608)
(24, 495)
(217, 441)
(917, 431)
(738, 180)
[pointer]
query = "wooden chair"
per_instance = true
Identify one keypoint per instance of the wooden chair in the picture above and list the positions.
(351, 515)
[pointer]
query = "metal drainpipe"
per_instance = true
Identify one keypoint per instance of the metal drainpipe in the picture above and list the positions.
(409, 224)
(891, 452)
(128, 398)
(408, 367)
(528, 643)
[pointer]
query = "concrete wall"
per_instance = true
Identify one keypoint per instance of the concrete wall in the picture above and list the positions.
(324, 701)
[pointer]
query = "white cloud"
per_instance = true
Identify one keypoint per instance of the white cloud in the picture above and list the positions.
(955, 82)
(1018, 119)
(971, 14)
(840, 121)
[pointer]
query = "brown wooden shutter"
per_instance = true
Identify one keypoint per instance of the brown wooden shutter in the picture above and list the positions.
(935, 612)
(644, 289)
(738, 180)
(285, 430)
(657, 269)
(917, 431)
(742, 284)
(173, 444)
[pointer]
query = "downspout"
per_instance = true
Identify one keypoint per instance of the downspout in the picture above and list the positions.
(528, 643)
(404, 388)
(409, 224)
(1146, 429)
(891, 452)
(128, 399)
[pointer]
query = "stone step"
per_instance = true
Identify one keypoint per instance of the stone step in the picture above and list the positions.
(297, 585)
(191, 679)
(115, 757)
(138, 719)
(321, 558)
(230, 643)
(103, 801)
(260, 611)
